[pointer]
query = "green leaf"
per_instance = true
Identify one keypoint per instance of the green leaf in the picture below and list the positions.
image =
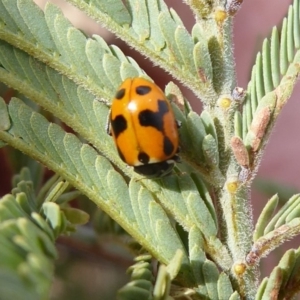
(197, 133)
(116, 10)
(168, 27)
(23, 201)
(13, 287)
(165, 233)
(287, 262)
(203, 64)
(151, 31)
(171, 199)
(209, 124)
(75, 216)
(283, 48)
(273, 285)
(4, 117)
(14, 12)
(238, 125)
(274, 49)
(277, 58)
(42, 223)
(7, 19)
(157, 39)
(53, 216)
(201, 215)
(216, 57)
(259, 76)
(56, 191)
(261, 289)
(265, 216)
(205, 195)
(74, 56)
(211, 274)
(235, 296)
(224, 287)
(27, 251)
(141, 280)
(140, 21)
(185, 45)
(174, 266)
(37, 26)
(290, 38)
(267, 67)
(279, 218)
(210, 151)
(132, 292)
(197, 256)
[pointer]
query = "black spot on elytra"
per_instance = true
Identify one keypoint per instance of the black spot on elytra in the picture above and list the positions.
(143, 158)
(118, 125)
(168, 146)
(120, 94)
(143, 90)
(154, 119)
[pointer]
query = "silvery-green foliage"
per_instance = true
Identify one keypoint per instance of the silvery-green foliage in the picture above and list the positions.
(197, 222)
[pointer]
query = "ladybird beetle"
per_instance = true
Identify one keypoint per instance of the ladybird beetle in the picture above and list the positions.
(144, 128)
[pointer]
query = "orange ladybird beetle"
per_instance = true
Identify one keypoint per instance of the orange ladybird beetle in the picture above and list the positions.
(144, 128)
